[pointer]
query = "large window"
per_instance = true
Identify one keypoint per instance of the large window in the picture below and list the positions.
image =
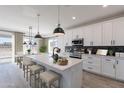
(5, 47)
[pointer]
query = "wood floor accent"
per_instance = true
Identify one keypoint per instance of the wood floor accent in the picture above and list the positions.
(91, 80)
(11, 76)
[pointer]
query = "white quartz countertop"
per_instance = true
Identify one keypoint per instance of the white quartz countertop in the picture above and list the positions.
(112, 57)
(48, 60)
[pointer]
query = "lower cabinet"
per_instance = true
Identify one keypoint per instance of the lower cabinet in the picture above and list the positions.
(108, 67)
(92, 68)
(120, 69)
(92, 63)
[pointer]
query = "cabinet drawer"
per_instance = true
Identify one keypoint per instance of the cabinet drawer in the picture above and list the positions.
(95, 62)
(108, 60)
(91, 68)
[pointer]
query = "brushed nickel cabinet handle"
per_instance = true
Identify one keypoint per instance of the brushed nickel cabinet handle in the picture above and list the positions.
(90, 57)
(111, 42)
(89, 62)
(108, 60)
(114, 66)
(117, 61)
(90, 68)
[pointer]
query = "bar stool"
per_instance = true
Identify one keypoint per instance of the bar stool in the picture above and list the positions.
(35, 71)
(19, 61)
(26, 64)
(19, 58)
(48, 79)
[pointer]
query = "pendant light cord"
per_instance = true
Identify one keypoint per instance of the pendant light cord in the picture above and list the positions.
(58, 15)
(38, 22)
(29, 34)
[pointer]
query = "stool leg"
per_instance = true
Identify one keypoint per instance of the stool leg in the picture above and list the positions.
(41, 83)
(30, 77)
(24, 70)
(49, 86)
(21, 65)
(35, 80)
(27, 73)
(38, 78)
(59, 83)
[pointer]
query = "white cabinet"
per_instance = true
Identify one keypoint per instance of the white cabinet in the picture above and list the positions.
(75, 35)
(92, 64)
(88, 36)
(93, 35)
(120, 69)
(97, 34)
(60, 41)
(65, 39)
(107, 33)
(118, 31)
(69, 38)
(81, 33)
(108, 67)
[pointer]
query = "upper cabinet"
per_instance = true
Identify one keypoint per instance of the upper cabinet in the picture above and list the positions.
(88, 36)
(107, 33)
(93, 35)
(118, 31)
(69, 38)
(97, 34)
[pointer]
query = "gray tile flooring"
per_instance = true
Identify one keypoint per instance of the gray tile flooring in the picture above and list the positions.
(11, 76)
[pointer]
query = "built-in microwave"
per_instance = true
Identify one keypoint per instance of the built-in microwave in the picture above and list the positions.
(78, 42)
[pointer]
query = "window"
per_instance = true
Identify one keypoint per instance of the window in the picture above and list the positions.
(51, 44)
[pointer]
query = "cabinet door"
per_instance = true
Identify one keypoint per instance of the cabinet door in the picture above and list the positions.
(118, 31)
(97, 34)
(65, 39)
(60, 43)
(88, 36)
(107, 33)
(120, 69)
(75, 34)
(80, 32)
(108, 67)
(69, 37)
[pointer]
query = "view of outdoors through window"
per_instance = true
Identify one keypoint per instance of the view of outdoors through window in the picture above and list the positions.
(5, 47)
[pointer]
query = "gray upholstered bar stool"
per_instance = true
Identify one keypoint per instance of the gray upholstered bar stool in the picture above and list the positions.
(35, 72)
(48, 78)
(26, 64)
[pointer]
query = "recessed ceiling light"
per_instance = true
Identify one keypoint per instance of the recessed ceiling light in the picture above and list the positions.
(73, 17)
(105, 6)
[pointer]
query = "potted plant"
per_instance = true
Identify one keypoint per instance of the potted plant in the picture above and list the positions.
(29, 51)
(43, 49)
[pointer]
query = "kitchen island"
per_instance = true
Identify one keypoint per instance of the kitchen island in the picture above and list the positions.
(71, 74)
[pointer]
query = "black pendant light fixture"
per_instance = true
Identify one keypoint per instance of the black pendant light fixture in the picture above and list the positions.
(38, 34)
(24, 43)
(58, 31)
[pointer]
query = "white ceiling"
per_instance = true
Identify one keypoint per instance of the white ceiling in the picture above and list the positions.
(18, 18)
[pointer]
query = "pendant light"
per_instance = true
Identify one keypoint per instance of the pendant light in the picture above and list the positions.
(38, 34)
(58, 31)
(24, 43)
(30, 38)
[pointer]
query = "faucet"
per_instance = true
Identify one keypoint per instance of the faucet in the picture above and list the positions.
(55, 56)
